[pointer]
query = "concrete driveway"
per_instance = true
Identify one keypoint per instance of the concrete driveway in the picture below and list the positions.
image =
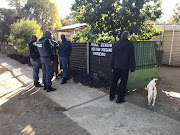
(92, 110)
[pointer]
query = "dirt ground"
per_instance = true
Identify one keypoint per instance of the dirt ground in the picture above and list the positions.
(24, 110)
(168, 94)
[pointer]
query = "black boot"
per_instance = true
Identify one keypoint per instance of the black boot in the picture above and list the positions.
(111, 98)
(64, 80)
(49, 89)
(37, 84)
(57, 77)
(45, 87)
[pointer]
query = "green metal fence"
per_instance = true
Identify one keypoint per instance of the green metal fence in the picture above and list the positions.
(145, 54)
(146, 65)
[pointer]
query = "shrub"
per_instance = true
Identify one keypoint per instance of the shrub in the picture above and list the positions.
(21, 32)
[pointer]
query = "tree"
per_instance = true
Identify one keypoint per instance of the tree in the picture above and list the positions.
(7, 17)
(21, 32)
(176, 16)
(84, 35)
(70, 19)
(115, 16)
(147, 32)
(44, 11)
(18, 5)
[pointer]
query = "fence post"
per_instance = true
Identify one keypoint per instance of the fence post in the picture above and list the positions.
(88, 56)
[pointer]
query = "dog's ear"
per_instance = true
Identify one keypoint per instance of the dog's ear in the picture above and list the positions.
(155, 80)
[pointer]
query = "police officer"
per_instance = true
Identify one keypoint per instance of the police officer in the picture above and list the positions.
(64, 52)
(44, 48)
(55, 58)
(35, 59)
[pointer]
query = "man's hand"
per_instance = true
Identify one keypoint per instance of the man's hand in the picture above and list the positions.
(112, 70)
(132, 73)
(51, 62)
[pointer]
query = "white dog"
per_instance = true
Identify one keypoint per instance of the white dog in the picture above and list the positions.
(152, 92)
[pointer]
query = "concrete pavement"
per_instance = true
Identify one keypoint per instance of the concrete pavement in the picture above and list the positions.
(93, 111)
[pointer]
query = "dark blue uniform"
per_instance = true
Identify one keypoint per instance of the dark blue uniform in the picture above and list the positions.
(35, 59)
(65, 52)
(45, 50)
(55, 58)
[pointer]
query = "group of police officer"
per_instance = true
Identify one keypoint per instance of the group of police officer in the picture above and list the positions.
(44, 51)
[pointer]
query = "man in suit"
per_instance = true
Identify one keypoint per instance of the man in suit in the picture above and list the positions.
(122, 60)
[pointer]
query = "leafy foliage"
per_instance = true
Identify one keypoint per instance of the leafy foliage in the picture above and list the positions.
(7, 17)
(21, 32)
(44, 11)
(104, 37)
(176, 16)
(147, 32)
(114, 16)
(18, 5)
(84, 35)
(70, 19)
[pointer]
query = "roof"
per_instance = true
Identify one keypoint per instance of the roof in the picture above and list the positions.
(73, 26)
(167, 26)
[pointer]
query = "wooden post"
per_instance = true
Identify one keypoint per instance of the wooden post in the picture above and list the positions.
(170, 55)
(88, 56)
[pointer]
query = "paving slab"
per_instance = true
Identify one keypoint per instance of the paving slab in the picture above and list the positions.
(102, 117)
(71, 95)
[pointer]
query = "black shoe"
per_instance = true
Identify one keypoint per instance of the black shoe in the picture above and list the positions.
(111, 98)
(49, 89)
(120, 101)
(64, 80)
(45, 87)
(37, 84)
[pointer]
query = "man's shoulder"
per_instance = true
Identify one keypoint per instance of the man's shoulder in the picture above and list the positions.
(30, 42)
(126, 41)
(47, 41)
(67, 41)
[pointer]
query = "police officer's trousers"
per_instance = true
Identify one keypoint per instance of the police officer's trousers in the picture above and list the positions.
(119, 74)
(47, 70)
(55, 64)
(64, 65)
(35, 64)
(54, 68)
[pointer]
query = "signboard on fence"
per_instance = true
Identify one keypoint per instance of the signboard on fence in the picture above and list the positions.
(100, 54)
(101, 49)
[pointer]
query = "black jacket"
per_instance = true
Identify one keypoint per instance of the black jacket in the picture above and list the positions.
(123, 55)
(34, 53)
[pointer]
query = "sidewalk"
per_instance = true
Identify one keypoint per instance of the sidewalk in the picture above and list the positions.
(93, 111)
(25, 110)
